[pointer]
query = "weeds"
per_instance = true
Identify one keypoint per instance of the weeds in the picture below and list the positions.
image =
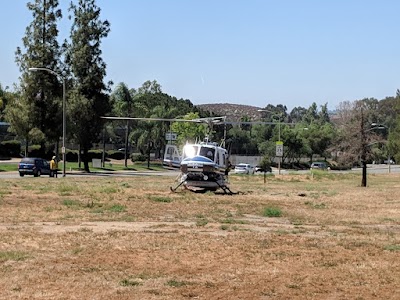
(129, 282)
(392, 248)
(71, 203)
(176, 283)
(117, 208)
(13, 255)
(272, 212)
(315, 205)
(160, 199)
(201, 222)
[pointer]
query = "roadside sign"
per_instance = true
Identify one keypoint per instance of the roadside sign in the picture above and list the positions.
(171, 136)
(279, 148)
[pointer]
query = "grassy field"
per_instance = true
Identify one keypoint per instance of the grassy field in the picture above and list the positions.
(295, 237)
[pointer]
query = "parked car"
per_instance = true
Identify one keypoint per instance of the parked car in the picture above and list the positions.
(261, 169)
(388, 161)
(244, 169)
(319, 166)
(34, 166)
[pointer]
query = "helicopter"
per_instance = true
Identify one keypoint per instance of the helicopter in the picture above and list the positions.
(204, 165)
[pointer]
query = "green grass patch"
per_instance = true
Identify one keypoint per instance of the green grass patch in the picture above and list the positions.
(71, 203)
(272, 212)
(4, 192)
(117, 208)
(160, 199)
(201, 222)
(392, 247)
(176, 283)
(233, 221)
(13, 255)
(129, 282)
(109, 190)
(65, 190)
(9, 167)
(315, 205)
(224, 227)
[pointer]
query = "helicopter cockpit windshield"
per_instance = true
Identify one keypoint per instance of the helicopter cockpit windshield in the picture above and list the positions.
(189, 151)
(194, 150)
(207, 152)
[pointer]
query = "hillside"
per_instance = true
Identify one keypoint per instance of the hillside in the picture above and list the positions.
(233, 112)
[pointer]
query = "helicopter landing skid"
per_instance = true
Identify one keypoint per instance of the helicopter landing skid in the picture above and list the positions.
(175, 188)
(226, 190)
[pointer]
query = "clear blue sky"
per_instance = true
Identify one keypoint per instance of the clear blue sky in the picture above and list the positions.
(253, 52)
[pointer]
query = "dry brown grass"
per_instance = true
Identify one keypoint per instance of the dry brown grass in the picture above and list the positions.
(131, 238)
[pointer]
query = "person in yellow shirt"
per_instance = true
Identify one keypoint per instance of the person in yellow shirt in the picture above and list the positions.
(54, 167)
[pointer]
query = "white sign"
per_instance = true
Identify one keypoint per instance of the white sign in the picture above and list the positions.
(279, 148)
(62, 150)
(171, 136)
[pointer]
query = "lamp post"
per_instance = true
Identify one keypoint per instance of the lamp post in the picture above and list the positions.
(279, 144)
(63, 112)
(383, 126)
(364, 146)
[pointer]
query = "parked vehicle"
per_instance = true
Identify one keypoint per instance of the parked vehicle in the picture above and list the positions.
(244, 169)
(319, 166)
(34, 166)
(261, 169)
(388, 161)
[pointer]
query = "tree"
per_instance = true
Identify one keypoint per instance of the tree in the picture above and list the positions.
(41, 92)
(393, 145)
(356, 134)
(297, 114)
(188, 131)
(88, 100)
(17, 113)
(4, 99)
(150, 87)
(123, 106)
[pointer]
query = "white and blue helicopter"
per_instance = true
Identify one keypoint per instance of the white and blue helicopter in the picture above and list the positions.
(204, 165)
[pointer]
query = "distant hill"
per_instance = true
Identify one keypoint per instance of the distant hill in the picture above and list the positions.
(233, 112)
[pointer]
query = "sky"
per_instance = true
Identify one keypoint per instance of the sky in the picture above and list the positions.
(251, 52)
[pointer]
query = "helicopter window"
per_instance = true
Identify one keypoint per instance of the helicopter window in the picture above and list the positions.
(189, 151)
(207, 152)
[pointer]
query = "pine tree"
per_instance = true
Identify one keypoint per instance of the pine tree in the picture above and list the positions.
(88, 100)
(41, 92)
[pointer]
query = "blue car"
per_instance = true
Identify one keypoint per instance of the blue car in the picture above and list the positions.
(34, 166)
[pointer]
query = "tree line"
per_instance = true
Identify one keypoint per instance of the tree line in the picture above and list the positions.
(366, 129)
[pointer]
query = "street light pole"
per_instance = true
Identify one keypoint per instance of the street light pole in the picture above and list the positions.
(64, 121)
(364, 147)
(383, 126)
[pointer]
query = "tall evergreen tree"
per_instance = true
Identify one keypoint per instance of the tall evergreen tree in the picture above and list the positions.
(88, 101)
(41, 91)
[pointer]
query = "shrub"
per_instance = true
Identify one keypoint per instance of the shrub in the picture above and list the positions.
(72, 155)
(11, 148)
(138, 157)
(115, 154)
(35, 151)
(272, 212)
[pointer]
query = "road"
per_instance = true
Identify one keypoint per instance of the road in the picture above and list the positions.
(371, 169)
